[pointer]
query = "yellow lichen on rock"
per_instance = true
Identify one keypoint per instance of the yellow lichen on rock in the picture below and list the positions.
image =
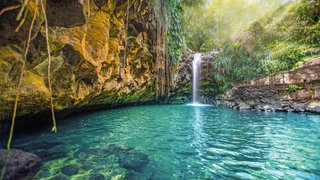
(87, 51)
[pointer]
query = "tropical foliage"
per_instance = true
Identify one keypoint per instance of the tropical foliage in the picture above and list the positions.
(258, 37)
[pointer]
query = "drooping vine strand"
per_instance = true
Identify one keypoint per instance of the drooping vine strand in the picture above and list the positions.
(54, 128)
(126, 40)
(18, 92)
(10, 8)
(22, 21)
(24, 5)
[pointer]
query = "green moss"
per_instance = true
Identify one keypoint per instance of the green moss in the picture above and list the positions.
(293, 88)
(181, 95)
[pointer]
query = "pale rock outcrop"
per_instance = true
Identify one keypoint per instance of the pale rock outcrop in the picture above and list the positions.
(296, 90)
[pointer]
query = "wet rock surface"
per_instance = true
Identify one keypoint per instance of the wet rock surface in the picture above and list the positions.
(20, 164)
(182, 89)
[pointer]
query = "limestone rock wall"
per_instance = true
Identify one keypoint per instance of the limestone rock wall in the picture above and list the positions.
(87, 39)
(297, 90)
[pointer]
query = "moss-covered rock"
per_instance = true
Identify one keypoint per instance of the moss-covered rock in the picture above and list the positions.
(87, 40)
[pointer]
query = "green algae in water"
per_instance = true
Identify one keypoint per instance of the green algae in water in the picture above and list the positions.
(180, 142)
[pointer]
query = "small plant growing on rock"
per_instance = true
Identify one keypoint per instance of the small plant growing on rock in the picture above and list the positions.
(293, 88)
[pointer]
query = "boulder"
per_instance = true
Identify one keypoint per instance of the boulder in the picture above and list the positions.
(70, 169)
(116, 148)
(129, 158)
(314, 106)
(20, 164)
(97, 177)
(135, 161)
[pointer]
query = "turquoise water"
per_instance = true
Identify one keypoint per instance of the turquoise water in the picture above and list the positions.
(180, 142)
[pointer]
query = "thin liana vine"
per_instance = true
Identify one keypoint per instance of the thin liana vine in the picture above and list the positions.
(54, 128)
(19, 89)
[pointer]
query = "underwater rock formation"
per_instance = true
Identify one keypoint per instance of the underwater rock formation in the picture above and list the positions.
(89, 68)
(296, 90)
(129, 158)
(70, 169)
(134, 161)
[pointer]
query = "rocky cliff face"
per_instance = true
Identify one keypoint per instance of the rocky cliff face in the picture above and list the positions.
(89, 65)
(297, 90)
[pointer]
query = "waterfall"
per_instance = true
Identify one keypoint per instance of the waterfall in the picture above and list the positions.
(196, 77)
(196, 64)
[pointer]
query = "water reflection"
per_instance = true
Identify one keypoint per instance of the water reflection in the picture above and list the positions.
(199, 135)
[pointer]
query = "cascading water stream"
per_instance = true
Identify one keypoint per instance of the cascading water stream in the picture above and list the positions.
(196, 64)
(196, 79)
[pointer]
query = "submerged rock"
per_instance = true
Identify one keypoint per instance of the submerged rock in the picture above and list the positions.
(129, 158)
(97, 177)
(81, 154)
(47, 155)
(87, 165)
(20, 165)
(70, 169)
(116, 148)
(38, 146)
(45, 150)
(44, 172)
(59, 177)
(136, 161)
(130, 175)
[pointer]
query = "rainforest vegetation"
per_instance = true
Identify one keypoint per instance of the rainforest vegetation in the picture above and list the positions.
(258, 38)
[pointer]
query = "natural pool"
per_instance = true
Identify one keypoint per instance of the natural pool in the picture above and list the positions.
(179, 142)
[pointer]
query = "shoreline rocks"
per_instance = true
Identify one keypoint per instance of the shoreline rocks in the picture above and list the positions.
(20, 165)
(292, 91)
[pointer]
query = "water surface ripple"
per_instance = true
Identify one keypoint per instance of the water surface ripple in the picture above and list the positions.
(185, 142)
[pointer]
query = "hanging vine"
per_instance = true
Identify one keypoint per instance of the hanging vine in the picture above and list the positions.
(10, 8)
(19, 85)
(126, 36)
(169, 44)
(54, 128)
